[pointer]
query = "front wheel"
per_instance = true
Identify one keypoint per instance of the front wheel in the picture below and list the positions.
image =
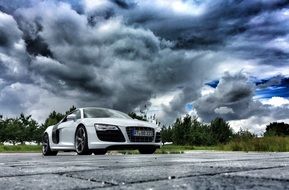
(81, 143)
(147, 150)
(46, 151)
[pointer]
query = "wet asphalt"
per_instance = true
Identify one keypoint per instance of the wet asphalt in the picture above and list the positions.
(193, 170)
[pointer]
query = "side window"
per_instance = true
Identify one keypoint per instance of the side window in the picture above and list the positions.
(78, 114)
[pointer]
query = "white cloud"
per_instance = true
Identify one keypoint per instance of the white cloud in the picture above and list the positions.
(255, 124)
(163, 99)
(252, 67)
(223, 110)
(206, 90)
(91, 5)
(275, 101)
(280, 43)
(180, 6)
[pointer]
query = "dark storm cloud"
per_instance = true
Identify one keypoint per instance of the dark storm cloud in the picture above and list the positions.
(120, 54)
(13, 57)
(107, 64)
(37, 46)
(234, 92)
(235, 26)
(233, 100)
(273, 81)
(276, 86)
(8, 37)
(207, 23)
(124, 4)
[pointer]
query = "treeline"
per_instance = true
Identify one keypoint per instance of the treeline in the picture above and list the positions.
(184, 131)
(19, 130)
(25, 129)
(189, 131)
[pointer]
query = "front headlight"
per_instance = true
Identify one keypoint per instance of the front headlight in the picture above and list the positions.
(104, 127)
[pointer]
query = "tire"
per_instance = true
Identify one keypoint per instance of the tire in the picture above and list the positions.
(46, 150)
(147, 150)
(80, 141)
(99, 152)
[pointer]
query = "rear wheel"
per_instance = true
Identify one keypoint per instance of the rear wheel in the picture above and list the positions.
(147, 150)
(81, 143)
(99, 152)
(46, 151)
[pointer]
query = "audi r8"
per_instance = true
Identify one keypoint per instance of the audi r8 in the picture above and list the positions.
(97, 130)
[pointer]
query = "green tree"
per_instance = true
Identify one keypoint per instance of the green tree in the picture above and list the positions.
(244, 135)
(221, 130)
(189, 131)
(166, 134)
(33, 132)
(186, 127)
(28, 128)
(277, 129)
(3, 126)
(200, 133)
(139, 117)
(71, 109)
(24, 129)
(178, 132)
(13, 131)
(2, 130)
(52, 119)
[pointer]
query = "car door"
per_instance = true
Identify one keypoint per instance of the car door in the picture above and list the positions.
(67, 131)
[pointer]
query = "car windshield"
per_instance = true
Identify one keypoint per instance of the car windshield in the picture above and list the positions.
(103, 113)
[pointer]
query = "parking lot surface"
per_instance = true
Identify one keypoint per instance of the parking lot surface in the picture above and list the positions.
(193, 170)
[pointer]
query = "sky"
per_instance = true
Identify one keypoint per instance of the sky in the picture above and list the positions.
(206, 58)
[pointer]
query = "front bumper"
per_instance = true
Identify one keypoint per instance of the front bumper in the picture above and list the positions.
(94, 141)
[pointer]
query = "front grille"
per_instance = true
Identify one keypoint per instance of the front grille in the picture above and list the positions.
(158, 137)
(110, 136)
(132, 138)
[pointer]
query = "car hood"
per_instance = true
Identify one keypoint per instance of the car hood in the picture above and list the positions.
(120, 122)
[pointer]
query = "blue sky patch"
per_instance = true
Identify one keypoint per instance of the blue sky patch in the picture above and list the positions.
(213, 83)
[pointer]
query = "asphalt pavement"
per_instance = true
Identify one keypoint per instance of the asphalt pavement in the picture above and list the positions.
(194, 170)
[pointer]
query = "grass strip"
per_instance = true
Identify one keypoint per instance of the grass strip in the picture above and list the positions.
(264, 144)
(20, 148)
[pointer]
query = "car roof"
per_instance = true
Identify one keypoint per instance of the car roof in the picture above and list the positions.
(94, 107)
(98, 108)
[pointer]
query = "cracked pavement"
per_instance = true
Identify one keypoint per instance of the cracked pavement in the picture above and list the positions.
(193, 170)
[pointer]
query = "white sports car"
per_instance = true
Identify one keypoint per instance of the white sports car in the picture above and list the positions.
(96, 130)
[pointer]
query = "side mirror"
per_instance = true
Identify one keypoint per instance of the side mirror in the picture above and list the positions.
(71, 117)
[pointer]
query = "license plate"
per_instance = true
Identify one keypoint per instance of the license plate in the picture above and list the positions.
(139, 133)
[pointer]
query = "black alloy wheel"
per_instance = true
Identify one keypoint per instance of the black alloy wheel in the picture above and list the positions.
(81, 143)
(46, 151)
